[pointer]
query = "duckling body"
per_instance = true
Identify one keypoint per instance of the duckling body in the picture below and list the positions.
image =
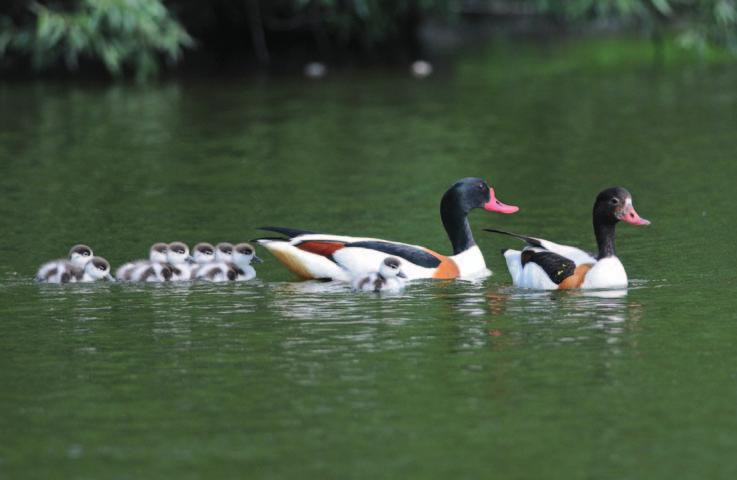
(178, 258)
(66, 271)
(95, 270)
(238, 269)
(151, 272)
(389, 278)
(157, 253)
(57, 271)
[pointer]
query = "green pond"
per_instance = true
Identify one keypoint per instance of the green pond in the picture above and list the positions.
(277, 378)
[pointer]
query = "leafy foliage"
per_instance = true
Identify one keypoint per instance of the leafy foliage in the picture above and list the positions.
(120, 33)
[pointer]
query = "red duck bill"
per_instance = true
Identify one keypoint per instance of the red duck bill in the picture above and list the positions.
(494, 205)
(630, 215)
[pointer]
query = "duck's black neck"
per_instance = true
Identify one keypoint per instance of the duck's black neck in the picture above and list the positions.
(455, 221)
(604, 231)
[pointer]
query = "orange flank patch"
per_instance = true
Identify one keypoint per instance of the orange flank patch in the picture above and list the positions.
(576, 280)
(447, 267)
(292, 263)
(325, 249)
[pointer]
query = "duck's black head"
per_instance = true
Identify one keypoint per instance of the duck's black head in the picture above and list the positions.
(469, 193)
(615, 204)
(462, 197)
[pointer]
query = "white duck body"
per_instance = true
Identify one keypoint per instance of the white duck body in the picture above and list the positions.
(338, 257)
(545, 265)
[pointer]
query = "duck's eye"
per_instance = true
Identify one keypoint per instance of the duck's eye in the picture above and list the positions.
(179, 251)
(101, 267)
(481, 186)
(86, 253)
(208, 252)
(614, 201)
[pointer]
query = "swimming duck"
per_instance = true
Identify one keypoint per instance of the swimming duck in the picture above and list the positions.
(156, 254)
(313, 255)
(65, 271)
(179, 260)
(96, 269)
(224, 252)
(389, 278)
(545, 265)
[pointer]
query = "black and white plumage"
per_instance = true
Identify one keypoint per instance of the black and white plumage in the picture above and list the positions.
(238, 269)
(544, 265)
(157, 254)
(152, 272)
(95, 270)
(66, 271)
(389, 278)
(180, 261)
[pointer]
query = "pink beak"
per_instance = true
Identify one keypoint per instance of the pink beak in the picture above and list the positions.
(629, 215)
(494, 205)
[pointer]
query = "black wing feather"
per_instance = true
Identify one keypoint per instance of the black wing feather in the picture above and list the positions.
(529, 240)
(411, 254)
(557, 267)
(289, 232)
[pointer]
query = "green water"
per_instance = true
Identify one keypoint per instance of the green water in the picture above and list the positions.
(280, 379)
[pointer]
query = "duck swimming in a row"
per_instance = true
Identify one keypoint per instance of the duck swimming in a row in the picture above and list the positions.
(544, 265)
(81, 267)
(313, 255)
(541, 265)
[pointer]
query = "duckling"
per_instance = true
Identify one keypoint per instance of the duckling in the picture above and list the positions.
(203, 253)
(390, 277)
(65, 271)
(216, 272)
(157, 254)
(239, 269)
(243, 255)
(224, 252)
(152, 272)
(179, 259)
(96, 269)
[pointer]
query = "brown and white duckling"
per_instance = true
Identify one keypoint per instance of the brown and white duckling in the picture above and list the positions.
(178, 258)
(224, 252)
(239, 269)
(96, 269)
(65, 271)
(152, 272)
(203, 253)
(390, 277)
(156, 254)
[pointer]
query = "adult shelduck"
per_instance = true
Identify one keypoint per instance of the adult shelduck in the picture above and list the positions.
(313, 255)
(545, 265)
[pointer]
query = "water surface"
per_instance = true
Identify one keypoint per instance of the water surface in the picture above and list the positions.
(282, 379)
